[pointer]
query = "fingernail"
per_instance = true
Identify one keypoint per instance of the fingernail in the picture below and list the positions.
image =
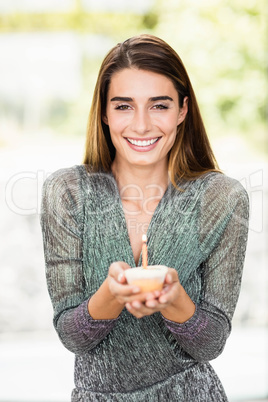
(163, 300)
(151, 304)
(120, 277)
(135, 290)
(169, 277)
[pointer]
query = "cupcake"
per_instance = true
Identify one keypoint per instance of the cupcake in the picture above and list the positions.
(149, 279)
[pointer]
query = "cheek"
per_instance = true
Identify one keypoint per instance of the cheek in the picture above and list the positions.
(171, 141)
(116, 130)
(171, 131)
(169, 124)
(117, 125)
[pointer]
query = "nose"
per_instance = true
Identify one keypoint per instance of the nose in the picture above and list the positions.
(141, 122)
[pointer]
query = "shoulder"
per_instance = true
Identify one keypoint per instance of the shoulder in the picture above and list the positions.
(62, 198)
(63, 177)
(78, 184)
(218, 185)
(214, 187)
(223, 193)
(72, 179)
(63, 186)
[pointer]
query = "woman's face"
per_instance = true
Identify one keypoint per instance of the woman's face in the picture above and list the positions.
(142, 114)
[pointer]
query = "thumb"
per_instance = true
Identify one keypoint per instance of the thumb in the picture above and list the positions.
(172, 276)
(117, 269)
(169, 278)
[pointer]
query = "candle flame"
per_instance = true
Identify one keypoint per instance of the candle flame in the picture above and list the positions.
(144, 238)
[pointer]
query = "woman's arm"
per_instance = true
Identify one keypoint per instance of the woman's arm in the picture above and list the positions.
(62, 226)
(204, 335)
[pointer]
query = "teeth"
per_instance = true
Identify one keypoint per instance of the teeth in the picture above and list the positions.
(142, 143)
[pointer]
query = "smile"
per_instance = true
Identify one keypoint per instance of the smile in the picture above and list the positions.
(143, 143)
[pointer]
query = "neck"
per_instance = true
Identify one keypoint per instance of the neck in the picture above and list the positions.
(141, 182)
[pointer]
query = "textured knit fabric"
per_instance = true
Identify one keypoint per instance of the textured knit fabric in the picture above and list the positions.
(200, 230)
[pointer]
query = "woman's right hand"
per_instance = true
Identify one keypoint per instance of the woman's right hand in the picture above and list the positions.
(119, 288)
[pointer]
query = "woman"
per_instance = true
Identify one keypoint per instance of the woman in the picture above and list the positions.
(149, 168)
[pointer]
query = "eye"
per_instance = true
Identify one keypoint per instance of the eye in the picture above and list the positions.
(122, 107)
(160, 106)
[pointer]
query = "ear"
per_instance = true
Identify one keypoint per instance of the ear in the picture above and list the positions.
(183, 110)
(105, 119)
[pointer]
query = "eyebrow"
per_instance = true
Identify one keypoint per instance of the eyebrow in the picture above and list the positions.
(153, 99)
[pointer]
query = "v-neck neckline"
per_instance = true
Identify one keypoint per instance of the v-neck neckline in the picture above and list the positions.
(124, 221)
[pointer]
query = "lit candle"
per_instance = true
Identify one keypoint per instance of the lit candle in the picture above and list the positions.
(144, 252)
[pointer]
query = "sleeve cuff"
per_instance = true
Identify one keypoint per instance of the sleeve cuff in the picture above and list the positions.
(85, 323)
(190, 328)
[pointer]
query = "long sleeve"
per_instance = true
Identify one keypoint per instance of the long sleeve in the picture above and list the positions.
(223, 228)
(62, 217)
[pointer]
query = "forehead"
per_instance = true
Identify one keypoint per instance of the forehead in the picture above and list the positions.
(131, 81)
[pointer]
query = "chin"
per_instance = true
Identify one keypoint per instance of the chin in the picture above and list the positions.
(142, 162)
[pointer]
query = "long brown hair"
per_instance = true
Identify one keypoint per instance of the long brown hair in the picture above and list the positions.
(191, 154)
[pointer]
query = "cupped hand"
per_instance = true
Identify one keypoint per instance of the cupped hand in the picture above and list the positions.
(165, 298)
(123, 292)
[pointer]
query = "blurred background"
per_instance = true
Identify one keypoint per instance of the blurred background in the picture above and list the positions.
(50, 53)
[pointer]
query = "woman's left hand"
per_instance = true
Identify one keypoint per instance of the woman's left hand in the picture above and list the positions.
(162, 299)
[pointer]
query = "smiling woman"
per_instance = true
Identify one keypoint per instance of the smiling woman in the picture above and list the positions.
(191, 154)
(148, 169)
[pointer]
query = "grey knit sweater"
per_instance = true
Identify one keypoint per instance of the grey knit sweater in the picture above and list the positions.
(200, 231)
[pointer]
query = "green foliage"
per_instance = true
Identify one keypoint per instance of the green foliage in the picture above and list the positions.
(223, 46)
(77, 20)
(150, 20)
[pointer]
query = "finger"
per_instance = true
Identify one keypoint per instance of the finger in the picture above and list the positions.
(123, 289)
(121, 278)
(166, 289)
(155, 304)
(137, 312)
(116, 270)
(171, 293)
(143, 309)
(129, 293)
(134, 312)
(171, 276)
(141, 297)
(152, 295)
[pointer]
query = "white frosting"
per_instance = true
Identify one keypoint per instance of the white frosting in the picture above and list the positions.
(151, 272)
